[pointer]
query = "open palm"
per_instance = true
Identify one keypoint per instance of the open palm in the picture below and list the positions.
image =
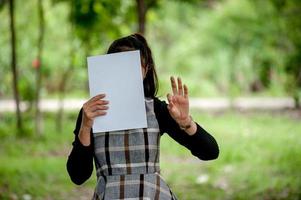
(178, 106)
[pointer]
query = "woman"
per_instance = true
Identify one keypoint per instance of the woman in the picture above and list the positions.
(127, 162)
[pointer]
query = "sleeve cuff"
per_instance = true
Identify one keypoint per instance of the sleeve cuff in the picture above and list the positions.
(199, 131)
(80, 147)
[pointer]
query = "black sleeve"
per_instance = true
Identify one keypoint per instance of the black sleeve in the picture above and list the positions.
(201, 144)
(80, 160)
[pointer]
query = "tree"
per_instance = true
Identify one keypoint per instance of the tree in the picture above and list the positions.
(38, 114)
(14, 66)
(141, 12)
(63, 83)
(142, 7)
(290, 14)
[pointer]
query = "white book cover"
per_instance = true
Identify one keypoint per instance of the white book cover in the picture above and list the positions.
(119, 76)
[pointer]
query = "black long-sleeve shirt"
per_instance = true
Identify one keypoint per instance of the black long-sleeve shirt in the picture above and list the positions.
(201, 144)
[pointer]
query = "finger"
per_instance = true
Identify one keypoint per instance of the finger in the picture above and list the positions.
(171, 108)
(99, 102)
(180, 87)
(185, 91)
(99, 107)
(103, 102)
(173, 85)
(93, 99)
(98, 113)
(97, 97)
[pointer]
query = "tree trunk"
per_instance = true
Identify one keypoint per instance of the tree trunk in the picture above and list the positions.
(297, 95)
(141, 12)
(38, 114)
(62, 89)
(14, 66)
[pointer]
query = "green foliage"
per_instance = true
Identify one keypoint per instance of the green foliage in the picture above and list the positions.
(237, 46)
(290, 12)
(220, 48)
(2, 3)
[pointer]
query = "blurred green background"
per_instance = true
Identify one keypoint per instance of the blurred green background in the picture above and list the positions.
(221, 49)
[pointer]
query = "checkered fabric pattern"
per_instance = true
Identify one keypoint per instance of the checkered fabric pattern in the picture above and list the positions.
(127, 163)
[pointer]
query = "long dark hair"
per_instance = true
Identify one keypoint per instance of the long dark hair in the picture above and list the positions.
(138, 42)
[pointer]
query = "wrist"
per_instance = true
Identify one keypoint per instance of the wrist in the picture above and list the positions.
(85, 128)
(186, 124)
(192, 130)
(84, 135)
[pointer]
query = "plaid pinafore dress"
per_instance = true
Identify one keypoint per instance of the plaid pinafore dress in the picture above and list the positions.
(127, 163)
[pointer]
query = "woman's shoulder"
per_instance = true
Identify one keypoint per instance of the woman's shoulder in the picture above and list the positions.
(158, 103)
(160, 106)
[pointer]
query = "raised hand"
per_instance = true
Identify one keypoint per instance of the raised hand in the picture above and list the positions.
(178, 106)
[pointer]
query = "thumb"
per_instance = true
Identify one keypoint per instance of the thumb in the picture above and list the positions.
(169, 98)
(171, 108)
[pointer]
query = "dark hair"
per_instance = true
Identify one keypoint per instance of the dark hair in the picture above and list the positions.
(138, 42)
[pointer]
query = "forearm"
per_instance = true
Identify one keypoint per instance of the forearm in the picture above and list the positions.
(203, 145)
(197, 140)
(84, 135)
(80, 162)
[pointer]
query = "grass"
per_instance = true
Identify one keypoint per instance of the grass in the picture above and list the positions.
(260, 158)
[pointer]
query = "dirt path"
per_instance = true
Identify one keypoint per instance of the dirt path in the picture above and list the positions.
(210, 104)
